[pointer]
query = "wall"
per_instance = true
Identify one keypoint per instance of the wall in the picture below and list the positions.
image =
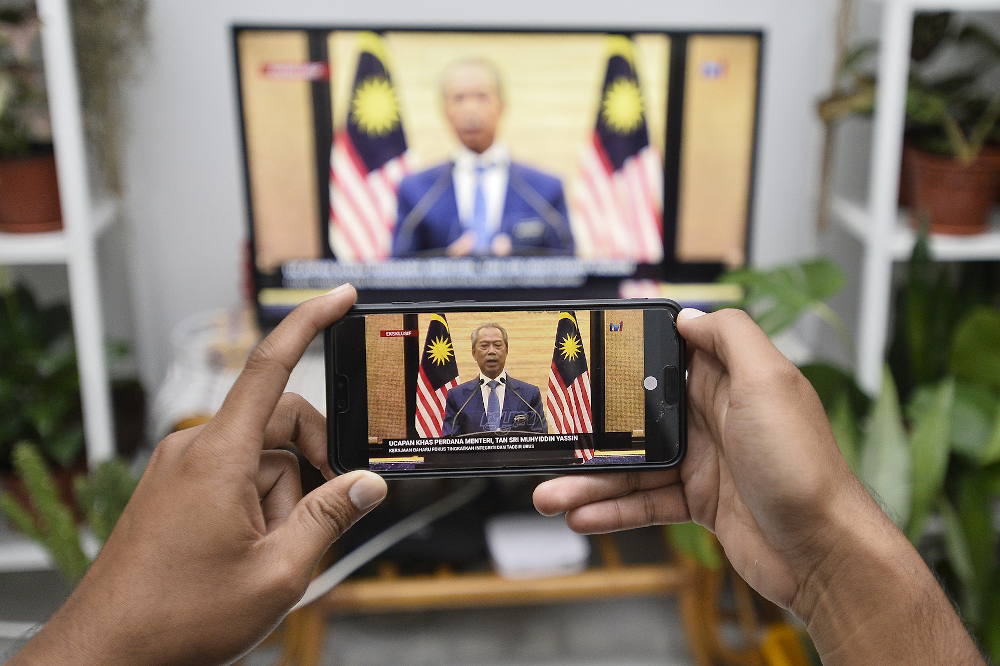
(184, 186)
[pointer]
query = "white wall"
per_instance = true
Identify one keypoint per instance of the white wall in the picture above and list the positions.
(185, 202)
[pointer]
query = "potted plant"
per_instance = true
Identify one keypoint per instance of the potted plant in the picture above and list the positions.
(47, 518)
(29, 194)
(950, 174)
(39, 384)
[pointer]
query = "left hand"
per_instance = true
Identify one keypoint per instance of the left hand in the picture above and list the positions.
(217, 543)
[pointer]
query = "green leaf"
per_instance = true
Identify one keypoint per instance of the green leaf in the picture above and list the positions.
(991, 450)
(103, 496)
(18, 517)
(988, 631)
(66, 445)
(857, 55)
(956, 545)
(845, 430)
(974, 495)
(777, 298)
(975, 348)
(56, 525)
(697, 543)
(972, 419)
(930, 446)
(885, 465)
(831, 382)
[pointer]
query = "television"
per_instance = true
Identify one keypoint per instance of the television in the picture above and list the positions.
(624, 156)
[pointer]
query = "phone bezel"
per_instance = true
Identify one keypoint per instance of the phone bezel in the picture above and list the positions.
(342, 464)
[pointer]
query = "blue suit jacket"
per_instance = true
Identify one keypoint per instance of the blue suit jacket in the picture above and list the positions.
(534, 214)
(464, 413)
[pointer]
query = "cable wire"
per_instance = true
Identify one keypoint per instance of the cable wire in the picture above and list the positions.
(385, 540)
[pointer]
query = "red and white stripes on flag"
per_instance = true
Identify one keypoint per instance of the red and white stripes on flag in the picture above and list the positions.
(438, 375)
(618, 213)
(430, 405)
(362, 203)
(569, 407)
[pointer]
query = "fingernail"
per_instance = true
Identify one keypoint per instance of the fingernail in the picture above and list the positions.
(339, 289)
(367, 491)
(690, 313)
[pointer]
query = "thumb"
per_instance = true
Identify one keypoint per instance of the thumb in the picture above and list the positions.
(730, 336)
(322, 516)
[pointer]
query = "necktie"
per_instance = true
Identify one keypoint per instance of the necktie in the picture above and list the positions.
(493, 407)
(479, 214)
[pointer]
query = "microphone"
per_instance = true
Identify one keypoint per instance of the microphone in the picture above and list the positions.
(478, 387)
(503, 380)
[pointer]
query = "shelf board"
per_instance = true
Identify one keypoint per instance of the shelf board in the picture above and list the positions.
(19, 553)
(944, 247)
(53, 247)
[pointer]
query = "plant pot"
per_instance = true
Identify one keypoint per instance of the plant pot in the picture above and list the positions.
(29, 194)
(956, 197)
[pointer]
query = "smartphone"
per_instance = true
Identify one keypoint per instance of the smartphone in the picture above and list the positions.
(436, 389)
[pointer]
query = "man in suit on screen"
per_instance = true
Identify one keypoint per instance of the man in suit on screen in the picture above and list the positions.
(479, 203)
(493, 401)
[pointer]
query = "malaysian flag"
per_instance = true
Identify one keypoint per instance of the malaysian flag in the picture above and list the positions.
(438, 375)
(568, 400)
(617, 201)
(367, 162)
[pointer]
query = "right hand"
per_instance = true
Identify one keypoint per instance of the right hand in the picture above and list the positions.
(762, 469)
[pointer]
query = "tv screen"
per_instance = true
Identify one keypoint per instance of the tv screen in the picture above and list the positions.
(471, 164)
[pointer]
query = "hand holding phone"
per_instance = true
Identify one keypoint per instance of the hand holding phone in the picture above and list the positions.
(446, 389)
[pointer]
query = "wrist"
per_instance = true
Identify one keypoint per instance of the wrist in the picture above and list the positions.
(87, 630)
(872, 599)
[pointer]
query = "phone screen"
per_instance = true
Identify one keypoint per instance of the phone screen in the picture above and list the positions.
(491, 390)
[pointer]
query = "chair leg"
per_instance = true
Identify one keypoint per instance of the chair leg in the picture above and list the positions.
(303, 638)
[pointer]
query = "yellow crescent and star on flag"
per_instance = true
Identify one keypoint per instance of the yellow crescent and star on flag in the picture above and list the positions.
(570, 345)
(439, 349)
(622, 104)
(374, 108)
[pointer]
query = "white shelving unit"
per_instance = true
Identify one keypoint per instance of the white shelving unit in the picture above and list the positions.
(84, 220)
(878, 223)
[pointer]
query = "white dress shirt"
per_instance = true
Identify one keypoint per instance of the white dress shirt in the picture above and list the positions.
(496, 162)
(485, 390)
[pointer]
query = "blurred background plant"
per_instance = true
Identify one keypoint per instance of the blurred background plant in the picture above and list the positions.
(949, 110)
(100, 496)
(24, 121)
(110, 35)
(39, 383)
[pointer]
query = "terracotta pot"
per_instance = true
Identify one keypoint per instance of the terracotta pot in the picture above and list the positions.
(29, 194)
(958, 198)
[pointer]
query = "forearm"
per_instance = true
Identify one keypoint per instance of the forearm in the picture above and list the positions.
(876, 602)
(95, 626)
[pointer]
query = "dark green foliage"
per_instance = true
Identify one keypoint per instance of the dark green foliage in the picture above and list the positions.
(39, 385)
